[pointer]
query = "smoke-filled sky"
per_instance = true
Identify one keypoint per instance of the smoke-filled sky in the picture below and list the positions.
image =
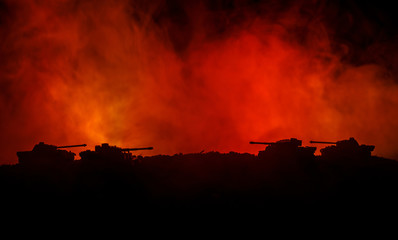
(186, 76)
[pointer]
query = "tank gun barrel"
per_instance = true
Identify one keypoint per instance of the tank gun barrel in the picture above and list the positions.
(322, 142)
(265, 143)
(137, 149)
(69, 146)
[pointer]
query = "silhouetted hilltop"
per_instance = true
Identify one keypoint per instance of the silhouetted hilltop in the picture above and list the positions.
(279, 176)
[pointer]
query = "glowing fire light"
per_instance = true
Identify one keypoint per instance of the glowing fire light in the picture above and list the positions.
(132, 75)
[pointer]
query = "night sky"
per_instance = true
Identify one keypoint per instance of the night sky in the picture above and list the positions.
(186, 76)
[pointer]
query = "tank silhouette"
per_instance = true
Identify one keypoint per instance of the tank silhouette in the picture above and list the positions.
(107, 152)
(43, 154)
(286, 148)
(345, 149)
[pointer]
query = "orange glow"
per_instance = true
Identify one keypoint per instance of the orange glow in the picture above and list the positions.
(104, 71)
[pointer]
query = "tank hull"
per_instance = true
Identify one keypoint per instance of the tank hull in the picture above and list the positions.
(45, 157)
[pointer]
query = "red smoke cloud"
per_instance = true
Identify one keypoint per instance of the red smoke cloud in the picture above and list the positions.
(184, 77)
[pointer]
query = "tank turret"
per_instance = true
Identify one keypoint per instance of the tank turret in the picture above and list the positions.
(293, 142)
(345, 149)
(47, 154)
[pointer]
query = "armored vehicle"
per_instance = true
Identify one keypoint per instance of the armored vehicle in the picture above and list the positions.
(107, 152)
(47, 154)
(286, 148)
(345, 149)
